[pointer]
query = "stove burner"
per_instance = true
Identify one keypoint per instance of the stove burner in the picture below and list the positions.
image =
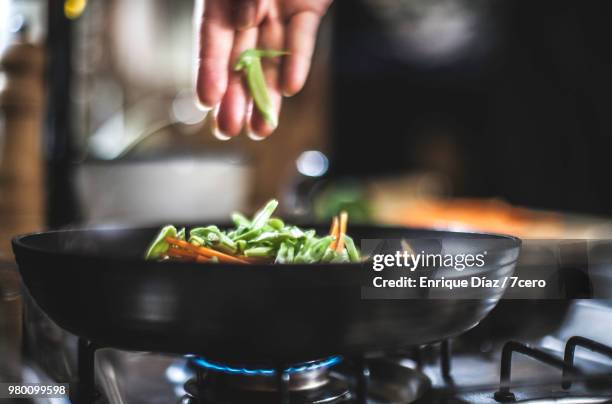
(304, 367)
(387, 381)
(308, 382)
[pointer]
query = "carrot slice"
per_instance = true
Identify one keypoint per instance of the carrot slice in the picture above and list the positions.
(180, 253)
(334, 226)
(343, 223)
(333, 231)
(207, 252)
(176, 252)
(201, 258)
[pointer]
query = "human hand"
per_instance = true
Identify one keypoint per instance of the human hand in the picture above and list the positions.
(229, 27)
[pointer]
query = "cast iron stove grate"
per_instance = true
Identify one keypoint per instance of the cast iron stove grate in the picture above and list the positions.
(358, 381)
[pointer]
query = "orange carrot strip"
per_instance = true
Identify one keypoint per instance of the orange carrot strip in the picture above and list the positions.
(343, 223)
(207, 252)
(334, 226)
(185, 254)
(179, 252)
(333, 231)
(176, 252)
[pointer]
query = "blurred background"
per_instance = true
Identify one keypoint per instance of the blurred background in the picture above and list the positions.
(487, 115)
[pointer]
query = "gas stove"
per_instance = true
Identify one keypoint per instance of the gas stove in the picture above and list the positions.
(531, 351)
(571, 365)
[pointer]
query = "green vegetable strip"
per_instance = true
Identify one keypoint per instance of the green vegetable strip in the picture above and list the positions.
(281, 256)
(240, 220)
(352, 251)
(259, 221)
(276, 223)
(250, 61)
(257, 86)
(318, 249)
(198, 241)
(259, 252)
(329, 255)
(341, 257)
(160, 246)
(290, 253)
(263, 215)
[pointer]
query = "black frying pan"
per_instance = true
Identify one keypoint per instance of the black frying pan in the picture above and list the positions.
(95, 284)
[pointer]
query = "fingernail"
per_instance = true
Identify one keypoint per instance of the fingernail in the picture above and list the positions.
(254, 136)
(220, 135)
(200, 106)
(245, 14)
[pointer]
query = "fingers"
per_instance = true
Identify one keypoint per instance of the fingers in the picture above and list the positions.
(248, 13)
(270, 37)
(301, 37)
(231, 116)
(216, 40)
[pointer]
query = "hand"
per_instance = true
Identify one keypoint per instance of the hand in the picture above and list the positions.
(231, 26)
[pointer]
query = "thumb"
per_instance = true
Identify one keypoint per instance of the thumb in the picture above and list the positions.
(248, 13)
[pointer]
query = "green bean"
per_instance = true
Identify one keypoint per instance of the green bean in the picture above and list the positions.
(352, 251)
(203, 231)
(267, 236)
(259, 252)
(250, 62)
(341, 257)
(263, 215)
(290, 253)
(241, 245)
(239, 220)
(281, 256)
(276, 236)
(259, 221)
(160, 246)
(285, 253)
(329, 255)
(249, 235)
(197, 241)
(276, 223)
(294, 232)
(313, 250)
(213, 237)
(318, 249)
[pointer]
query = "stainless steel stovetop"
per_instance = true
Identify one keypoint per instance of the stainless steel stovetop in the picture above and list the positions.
(470, 373)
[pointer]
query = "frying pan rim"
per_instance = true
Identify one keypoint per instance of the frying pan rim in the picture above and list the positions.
(20, 242)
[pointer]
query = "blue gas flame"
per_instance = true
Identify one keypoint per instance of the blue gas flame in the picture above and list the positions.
(304, 367)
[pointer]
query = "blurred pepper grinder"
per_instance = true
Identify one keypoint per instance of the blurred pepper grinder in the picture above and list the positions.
(21, 184)
(21, 181)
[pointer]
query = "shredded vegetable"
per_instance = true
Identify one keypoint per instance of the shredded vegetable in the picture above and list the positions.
(249, 61)
(262, 239)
